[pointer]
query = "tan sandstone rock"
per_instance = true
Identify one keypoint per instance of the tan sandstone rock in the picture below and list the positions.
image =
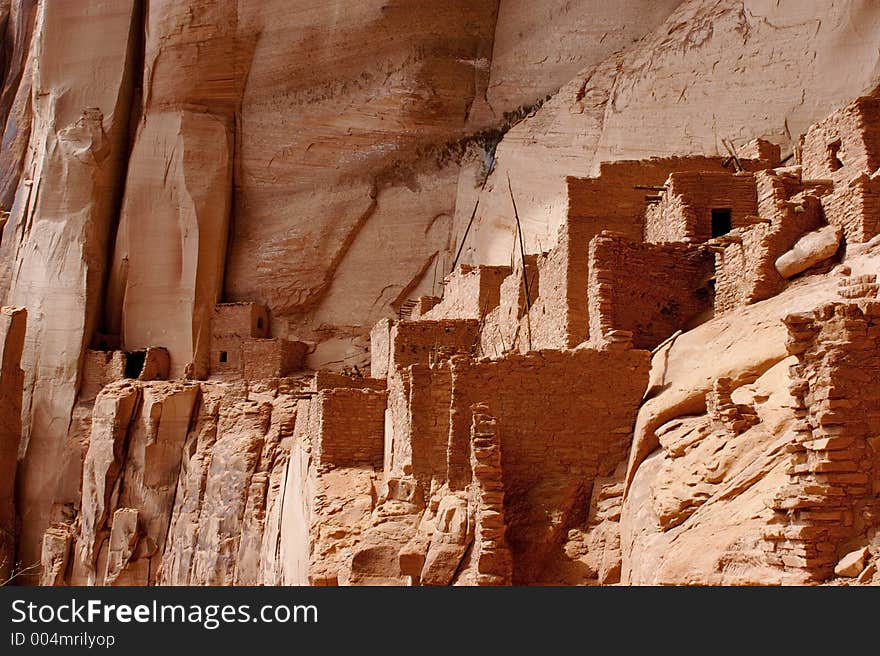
(852, 563)
(377, 292)
(810, 249)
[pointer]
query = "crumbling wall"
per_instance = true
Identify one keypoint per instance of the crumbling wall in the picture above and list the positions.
(845, 144)
(684, 212)
(330, 380)
(505, 328)
(417, 423)
(423, 342)
(380, 348)
(491, 551)
(670, 281)
(470, 292)
(560, 430)
(559, 316)
(845, 149)
(830, 503)
(855, 206)
(616, 200)
(745, 258)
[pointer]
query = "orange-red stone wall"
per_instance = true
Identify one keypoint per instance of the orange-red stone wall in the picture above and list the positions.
(352, 427)
(669, 281)
(564, 417)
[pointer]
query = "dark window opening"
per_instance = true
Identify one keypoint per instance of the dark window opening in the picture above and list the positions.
(134, 363)
(722, 222)
(260, 323)
(223, 356)
(834, 162)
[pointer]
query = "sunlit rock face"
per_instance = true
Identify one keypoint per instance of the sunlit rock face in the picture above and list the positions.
(494, 292)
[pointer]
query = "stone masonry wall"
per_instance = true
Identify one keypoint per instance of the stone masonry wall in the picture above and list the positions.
(559, 316)
(425, 341)
(670, 281)
(845, 148)
(271, 358)
(504, 328)
(685, 211)
(429, 403)
(745, 262)
(613, 201)
(561, 429)
(844, 144)
(352, 427)
(830, 502)
(470, 293)
(494, 561)
(855, 206)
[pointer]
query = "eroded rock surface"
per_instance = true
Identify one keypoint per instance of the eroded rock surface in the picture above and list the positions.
(481, 293)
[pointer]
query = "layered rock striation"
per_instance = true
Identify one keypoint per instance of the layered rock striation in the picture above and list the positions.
(488, 293)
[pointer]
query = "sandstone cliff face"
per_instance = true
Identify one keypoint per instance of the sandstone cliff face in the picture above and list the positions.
(712, 71)
(57, 236)
(227, 202)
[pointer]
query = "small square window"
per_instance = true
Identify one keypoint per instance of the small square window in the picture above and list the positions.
(223, 356)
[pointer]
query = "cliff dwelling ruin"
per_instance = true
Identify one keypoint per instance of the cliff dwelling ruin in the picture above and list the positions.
(289, 328)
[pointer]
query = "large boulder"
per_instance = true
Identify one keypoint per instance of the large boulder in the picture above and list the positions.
(812, 248)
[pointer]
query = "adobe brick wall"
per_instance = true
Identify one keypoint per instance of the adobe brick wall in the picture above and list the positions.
(470, 292)
(560, 429)
(669, 281)
(352, 427)
(685, 211)
(830, 503)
